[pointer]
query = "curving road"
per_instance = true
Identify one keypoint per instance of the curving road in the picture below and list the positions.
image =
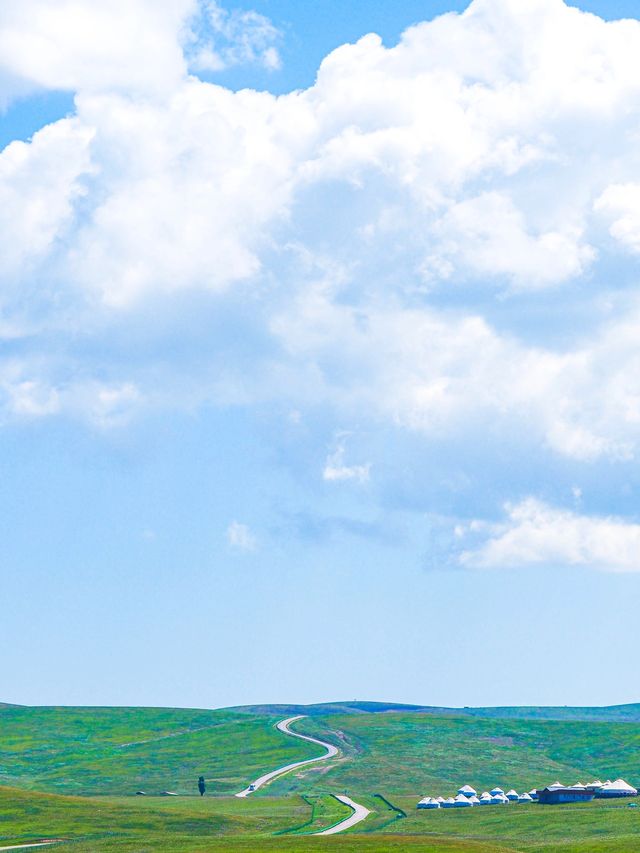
(28, 846)
(283, 726)
(359, 813)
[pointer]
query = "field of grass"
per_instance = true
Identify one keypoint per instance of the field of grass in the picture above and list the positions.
(389, 758)
(138, 825)
(422, 754)
(122, 750)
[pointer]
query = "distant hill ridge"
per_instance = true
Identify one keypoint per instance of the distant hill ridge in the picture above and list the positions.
(609, 713)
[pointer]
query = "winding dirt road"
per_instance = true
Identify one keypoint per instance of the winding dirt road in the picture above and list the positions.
(283, 726)
(359, 813)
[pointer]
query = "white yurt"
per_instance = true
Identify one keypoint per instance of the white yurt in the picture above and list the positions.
(428, 803)
(512, 795)
(578, 787)
(449, 803)
(462, 802)
(533, 793)
(467, 791)
(619, 788)
(495, 791)
(555, 785)
(593, 786)
(485, 799)
(440, 800)
(525, 798)
(499, 800)
(474, 801)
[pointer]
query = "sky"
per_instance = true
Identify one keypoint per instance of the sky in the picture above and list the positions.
(319, 352)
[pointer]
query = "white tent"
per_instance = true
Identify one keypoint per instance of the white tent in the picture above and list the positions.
(512, 795)
(619, 788)
(462, 802)
(525, 798)
(578, 787)
(499, 799)
(467, 791)
(474, 801)
(555, 785)
(449, 803)
(485, 799)
(495, 791)
(533, 793)
(440, 800)
(428, 803)
(593, 786)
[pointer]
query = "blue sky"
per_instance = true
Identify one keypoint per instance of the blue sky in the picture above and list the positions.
(319, 351)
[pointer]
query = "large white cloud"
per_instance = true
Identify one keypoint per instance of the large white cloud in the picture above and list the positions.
(535, 533)
(488, 151)
(474, 127)
(122, 45)
(39, 183)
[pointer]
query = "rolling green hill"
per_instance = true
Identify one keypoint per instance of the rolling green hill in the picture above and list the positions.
(399, 751)
(421, 754)
(122, 750)
(404, 750)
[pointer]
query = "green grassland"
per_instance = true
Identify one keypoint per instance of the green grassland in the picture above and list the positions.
(422, 754)
(181, 825)
(390, 756)
(122, 750)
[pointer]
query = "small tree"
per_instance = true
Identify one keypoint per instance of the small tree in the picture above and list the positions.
(201, 786)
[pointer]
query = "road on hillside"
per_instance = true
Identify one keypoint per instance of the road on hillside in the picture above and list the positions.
(359, 813)
(28, 846)
(283, 726)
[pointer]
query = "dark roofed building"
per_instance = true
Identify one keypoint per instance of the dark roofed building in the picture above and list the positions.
(554, 796)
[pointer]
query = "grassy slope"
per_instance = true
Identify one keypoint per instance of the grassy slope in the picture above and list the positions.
(601, 825)
(182, 825)
(421, 753)
(399, 753)
(121, 750)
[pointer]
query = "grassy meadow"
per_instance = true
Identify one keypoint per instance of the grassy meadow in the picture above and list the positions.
(71, 773)
(422, 754)
(118, 751)
(227, 824)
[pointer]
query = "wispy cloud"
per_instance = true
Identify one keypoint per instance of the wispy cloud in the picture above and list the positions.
(336, 469)
(218, 39)
(240, 538)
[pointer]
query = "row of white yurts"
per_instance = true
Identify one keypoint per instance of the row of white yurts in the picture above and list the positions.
(468, 796)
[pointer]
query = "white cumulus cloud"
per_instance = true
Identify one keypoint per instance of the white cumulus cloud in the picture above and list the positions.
(535, 533)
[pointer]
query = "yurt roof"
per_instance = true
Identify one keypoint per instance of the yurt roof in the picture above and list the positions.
(618, 785)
